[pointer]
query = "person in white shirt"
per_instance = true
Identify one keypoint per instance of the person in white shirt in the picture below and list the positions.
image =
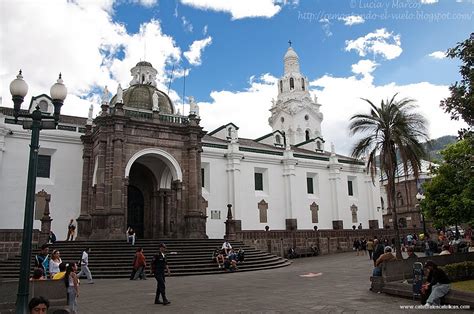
(226, 247)
(54, 263)
(85, 266)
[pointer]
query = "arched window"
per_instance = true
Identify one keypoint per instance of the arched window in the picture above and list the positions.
(281, 86)
(302, 83)
(278, 139)
(229, 132)
(318, 145)
(292, 83)
(143, 78)
(307, 134)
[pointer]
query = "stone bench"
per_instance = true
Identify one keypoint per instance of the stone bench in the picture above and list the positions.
(53, 290)
(455, 297)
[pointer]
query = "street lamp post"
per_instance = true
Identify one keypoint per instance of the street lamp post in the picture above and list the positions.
(421, 197)
(35, 121)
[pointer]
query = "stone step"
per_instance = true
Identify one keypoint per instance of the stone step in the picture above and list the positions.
(113, 259)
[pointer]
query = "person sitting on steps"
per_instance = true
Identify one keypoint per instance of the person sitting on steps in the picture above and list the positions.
(131, 235)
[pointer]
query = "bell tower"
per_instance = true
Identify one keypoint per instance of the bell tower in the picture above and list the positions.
(294, 112)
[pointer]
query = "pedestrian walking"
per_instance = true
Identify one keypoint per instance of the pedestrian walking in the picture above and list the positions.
(158, 267)
(139, 265)
(85, 266)
(71, 229)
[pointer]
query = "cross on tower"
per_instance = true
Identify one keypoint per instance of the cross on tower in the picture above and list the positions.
(289, 42)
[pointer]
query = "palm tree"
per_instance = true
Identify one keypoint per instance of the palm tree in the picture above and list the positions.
(389, 129)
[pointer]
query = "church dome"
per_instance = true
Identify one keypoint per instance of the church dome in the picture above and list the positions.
(144, 64)
(290, 53)
(140, 96)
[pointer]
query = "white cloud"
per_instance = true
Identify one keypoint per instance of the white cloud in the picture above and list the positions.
(365, 68)
(188, 27)
(352, 20)
(239, 9)
(325, 25)
(429, 1)
(381, 42)
(204, 30)
(338, 107)
(249, 108)
(85, 54)
(195, 50)
(437, 55)
(146, 3)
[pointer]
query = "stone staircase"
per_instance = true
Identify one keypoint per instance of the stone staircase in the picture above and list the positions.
(113, 259)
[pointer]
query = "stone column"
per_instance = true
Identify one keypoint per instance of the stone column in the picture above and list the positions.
(117, 172)
(334, 182)
(234, 157)
(230, 225)
(84, 219)
(160, 211)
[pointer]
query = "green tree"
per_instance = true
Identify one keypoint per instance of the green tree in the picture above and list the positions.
(390, 128)
(449, 196)
(461, 101)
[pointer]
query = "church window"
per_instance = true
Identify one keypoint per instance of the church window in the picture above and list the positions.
(350, 189)
(281, 86)
(215, 214)
(310, 185)
(229, 133)
(202, 177)
(306, 135)
(306, 117)
(292, 83)
(302, 83)
(402, 222)
(44, 166)
(143, 78)
(314, 208)
(205, 176)
(258, 181)
(282, 119)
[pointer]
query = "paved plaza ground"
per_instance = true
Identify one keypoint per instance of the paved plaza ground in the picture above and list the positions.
(342, 287)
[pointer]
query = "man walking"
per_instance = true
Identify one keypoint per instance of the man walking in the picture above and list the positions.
(85, 266)
(158, 267)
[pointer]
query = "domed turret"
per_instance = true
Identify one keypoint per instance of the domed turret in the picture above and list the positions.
(292, 63)
(142, 87)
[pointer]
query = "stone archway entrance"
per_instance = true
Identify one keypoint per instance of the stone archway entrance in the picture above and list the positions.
(154, 195)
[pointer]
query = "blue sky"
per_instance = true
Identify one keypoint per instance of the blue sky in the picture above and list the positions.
(348, 49)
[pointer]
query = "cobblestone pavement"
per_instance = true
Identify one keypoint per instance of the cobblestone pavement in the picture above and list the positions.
(339, 284)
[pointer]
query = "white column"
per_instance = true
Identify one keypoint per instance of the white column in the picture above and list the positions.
(369, 197)
(233, 178)
(289, 179)
(3, 131)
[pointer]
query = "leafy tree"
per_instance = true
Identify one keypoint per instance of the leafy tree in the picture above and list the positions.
(461, 101)
(449, 196)
(389, 129)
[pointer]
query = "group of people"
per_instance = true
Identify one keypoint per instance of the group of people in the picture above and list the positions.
(226, 258)
(52, 267)
(437, 282)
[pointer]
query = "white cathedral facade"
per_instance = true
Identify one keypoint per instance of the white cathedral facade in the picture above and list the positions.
(285, 180)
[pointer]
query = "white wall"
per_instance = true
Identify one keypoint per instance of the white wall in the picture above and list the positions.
(64, 183)
(366, 196)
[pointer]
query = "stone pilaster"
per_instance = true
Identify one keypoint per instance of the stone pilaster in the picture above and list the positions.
(289, 178)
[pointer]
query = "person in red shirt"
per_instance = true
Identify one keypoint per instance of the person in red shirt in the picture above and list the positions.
(139, 265)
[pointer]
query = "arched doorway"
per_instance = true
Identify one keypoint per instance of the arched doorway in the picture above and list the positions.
(154, 195)
(135, 210)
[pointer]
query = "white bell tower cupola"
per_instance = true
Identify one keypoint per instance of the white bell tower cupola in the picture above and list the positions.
(143, 73)
(294, 112)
